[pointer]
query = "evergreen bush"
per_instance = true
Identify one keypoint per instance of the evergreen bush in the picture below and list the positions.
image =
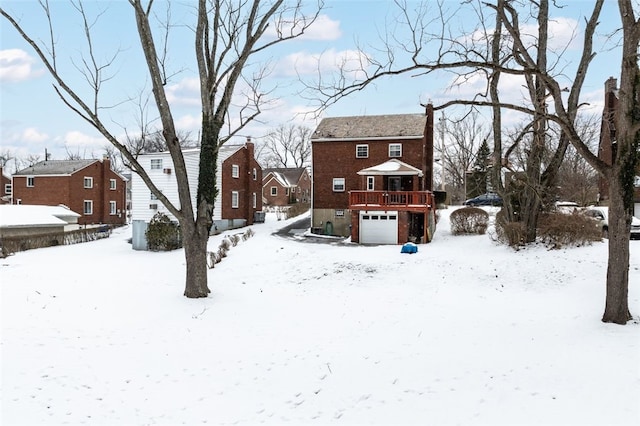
(163, 234)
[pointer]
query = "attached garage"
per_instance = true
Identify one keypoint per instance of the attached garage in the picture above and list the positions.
(378, 227)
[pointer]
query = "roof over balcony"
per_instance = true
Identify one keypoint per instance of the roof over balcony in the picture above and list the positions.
(391, 167)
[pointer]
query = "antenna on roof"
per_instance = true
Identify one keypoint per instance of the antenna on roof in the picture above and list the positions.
(46, 155)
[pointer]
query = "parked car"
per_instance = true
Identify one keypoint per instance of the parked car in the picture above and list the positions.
(567, 207)
(488, 199)
(601, 215)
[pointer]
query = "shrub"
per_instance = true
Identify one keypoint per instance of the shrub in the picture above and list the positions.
(469, 220)
(163, 234)
(556, 230)
(509, 233)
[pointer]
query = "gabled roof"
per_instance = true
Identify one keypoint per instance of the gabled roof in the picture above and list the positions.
(392, 167)
(287, 176)
(55, 167)
(396, 126)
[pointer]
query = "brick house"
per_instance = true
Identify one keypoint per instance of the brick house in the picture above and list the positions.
(607, 144)
(285, 186)
(372, 178)
(5, 188)
(239, 183)
(88, 187)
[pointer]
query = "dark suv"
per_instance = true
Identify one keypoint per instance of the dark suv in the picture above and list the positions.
(488, 199)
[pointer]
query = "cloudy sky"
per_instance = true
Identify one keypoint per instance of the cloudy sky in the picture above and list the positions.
(33, 118)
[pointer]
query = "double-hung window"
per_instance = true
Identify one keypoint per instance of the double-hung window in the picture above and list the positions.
(395, 150)
(338, 184)
(30, 181)
(112, 184)
(362, 151)
(156, 163)
(112, 208)
(235, 171)
(88, 182)
(88, 207)
(234, 199)
(274, 191)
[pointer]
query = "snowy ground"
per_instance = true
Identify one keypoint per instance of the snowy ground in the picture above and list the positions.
(465, 332)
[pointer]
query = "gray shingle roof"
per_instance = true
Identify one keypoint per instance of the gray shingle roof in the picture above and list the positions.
(372, 126)
(55, 167)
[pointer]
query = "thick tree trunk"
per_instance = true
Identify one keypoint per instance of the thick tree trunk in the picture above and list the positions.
(617, 306)
(195, 237)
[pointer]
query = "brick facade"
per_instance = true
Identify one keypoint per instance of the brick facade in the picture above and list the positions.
(247, 185)
(5, 183)
(292, 185)
(335, 156)
(34, 185)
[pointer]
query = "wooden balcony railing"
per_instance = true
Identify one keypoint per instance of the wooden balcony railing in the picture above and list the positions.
(390, 200)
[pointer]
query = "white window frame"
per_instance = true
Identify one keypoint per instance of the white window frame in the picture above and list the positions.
(339, 184)
(113, 208)
(371, 182)
(8, 189)
(395, 150)
(255, 200)
(156, 164)
(235, 199)
(31, 181)
(112, 184)
(235, 171)
(364, 154)
(89, 210)
(88, 182)
(274, 191)
(255, 174)
(339, 213)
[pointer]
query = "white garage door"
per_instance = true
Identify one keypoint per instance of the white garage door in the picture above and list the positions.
(378, 227)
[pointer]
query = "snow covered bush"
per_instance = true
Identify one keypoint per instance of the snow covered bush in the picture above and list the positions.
(163, 234)
(469, 220)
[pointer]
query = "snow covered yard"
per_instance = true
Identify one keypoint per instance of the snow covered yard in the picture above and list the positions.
(464, 332)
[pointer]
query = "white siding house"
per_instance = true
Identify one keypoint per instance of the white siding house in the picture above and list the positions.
(160, 168)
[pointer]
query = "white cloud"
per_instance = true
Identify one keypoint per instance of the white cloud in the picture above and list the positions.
(303, 63)
(16, 65)
(76, 139)
(323, 29)
(184, 93)
(32, 135)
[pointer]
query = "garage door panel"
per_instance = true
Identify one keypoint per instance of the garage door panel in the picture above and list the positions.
(379, 227)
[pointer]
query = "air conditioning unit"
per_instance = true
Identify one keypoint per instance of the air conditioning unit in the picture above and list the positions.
(153, 206)
(166, 171)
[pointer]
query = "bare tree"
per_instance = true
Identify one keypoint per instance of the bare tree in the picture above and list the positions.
(287, 146)
(508, 51)
(463, 137)
(227, 35)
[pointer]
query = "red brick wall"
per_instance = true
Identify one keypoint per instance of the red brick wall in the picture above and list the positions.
(281, 198)
(244, 184)
(70, 191)
(338, 160)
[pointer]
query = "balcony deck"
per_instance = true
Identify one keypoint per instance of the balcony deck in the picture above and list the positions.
(391, 200)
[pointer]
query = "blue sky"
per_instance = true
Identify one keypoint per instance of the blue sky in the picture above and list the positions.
(33, 118)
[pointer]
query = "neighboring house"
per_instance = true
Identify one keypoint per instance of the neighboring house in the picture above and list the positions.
(607, 145)
(5, 188)
(25, 220)
(239, 183)
(89, 187)
(284, 186)
(372, 178)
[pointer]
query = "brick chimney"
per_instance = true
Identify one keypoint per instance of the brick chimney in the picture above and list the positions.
(427, 153)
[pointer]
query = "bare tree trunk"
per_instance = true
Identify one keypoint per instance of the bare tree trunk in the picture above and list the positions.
(617, 306)
(195, 240)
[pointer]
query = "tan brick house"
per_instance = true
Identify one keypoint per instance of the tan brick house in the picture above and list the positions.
(285, 186)
(372, 178)
(88, 187)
